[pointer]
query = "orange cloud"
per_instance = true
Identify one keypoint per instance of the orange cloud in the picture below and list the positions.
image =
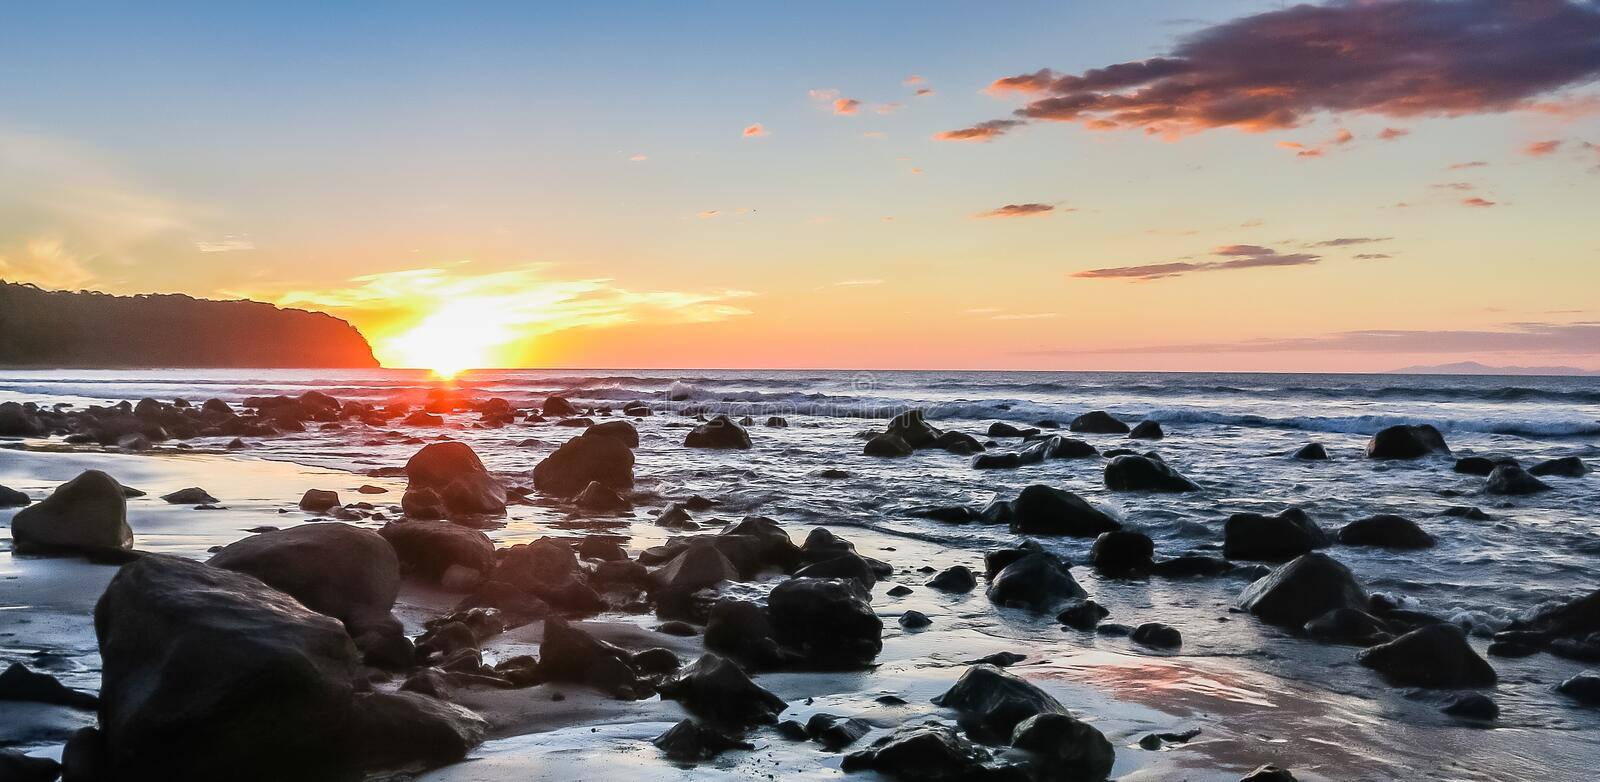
(1390, 134)
(1541, 148)
(1018, 210)
(755, 131)
(846, 106)
(982, 131)
(1476, 201)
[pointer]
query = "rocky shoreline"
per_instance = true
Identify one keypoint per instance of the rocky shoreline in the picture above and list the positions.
(286, 655)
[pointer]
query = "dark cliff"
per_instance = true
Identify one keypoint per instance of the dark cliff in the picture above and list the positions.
(88, 329)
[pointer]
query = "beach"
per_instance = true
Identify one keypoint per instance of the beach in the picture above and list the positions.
(1257, 693)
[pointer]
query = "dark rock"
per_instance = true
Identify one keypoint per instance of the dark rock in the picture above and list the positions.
(1473, 706)
(1147, 430)
(1063, 747)
(771, 544)
(1073, 448)
(677, 628)
(1113, 630)
(20, 684)
(958, 443)
(11, 498)
(822, 544)
(18, 421)
(345, 572)
(742, 630)
(1584, 688)
(1082, 614)
(850, 565)
(1466, 512)
(600, 497)
(992, 703)
(719, 432)
(570, 654)
(319, 500)
(1158, 635)
(1481, 465)
(911, 427)
(211, 674)
(1510, 479)
(17, 767)
(1406, 442)
(1142, 473)
(1098, 422)
(582, 459)
(423, 418)
(835, 733)
(558, 407)
(1348, 626)
(950, 514)
(1268, 773)
(193, 495)
(1122, 552)
(85, 514)
(1385, 530)
(515, 604)
(1036, 581)
(934, 753)
(899, 590)
(958, 578)
(1304, 589)
(550, 571)
(913, 620)
(717, 690)
(1566, 467)
(1312, 452)
(1191, 566)
(689, 742)
(1433, 656)
(1252, 536)
(887, 445)
(999, 659)
(453, 471)
(422, 503)
(1045, 510)
(674, 516)
(622, 430)
(996, 561)
(429, 548)
(829, 622)
(1003, 429)
(698, 566)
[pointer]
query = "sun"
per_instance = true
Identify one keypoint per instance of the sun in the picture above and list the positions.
(454, 338)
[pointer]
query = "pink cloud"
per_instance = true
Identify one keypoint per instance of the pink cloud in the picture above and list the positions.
(756, 130)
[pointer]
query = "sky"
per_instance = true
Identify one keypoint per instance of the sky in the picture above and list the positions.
(1144, 185)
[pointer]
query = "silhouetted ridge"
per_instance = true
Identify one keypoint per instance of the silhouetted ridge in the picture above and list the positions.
(91, 329)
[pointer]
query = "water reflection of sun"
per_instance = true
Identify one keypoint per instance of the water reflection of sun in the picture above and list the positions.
(458, 336)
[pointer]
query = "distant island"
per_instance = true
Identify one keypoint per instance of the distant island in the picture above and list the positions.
(40, 328)
(1475, 368)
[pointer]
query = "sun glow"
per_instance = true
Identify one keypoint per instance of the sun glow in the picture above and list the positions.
(459, 336)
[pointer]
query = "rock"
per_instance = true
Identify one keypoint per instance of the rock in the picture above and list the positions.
(911, 427)
(1566, 467)
(422, 503)
(958, 443)
(1584, 688)
(886, 445)
(931, 753)
(1037, 582)
(698, 566)
(771, 544)
(460, 579)
(913, 620)
(319, 500)
(950, 514)
(1304, 589)
(337, 570)
(829, 622)
(996, 561)
(582, 459)
(18, 421)
(569, 654)
(1406, 442)
(999, 659)
(719, 432)
(1513, 480)
(715, 689)
(1045, 510)
(1143, 473)
(690, 742)
(429, 548)
(1348, 626)
(1003, 429)
(17, 767)
(193, 495)
(599, 497)
(958, 578)
(1385, 530)
(423, 418)
(742, 630)
(1481, 465)
(1191, 566)
(1312, 452)
(1436, 655)
(558, 407)
(1122, 552)
(211, 674)
(849, 565)
(992, 703)
(1039, 450)
(1473, 706)
(1158, 635)
(1252, 536)
(514, 603)
(85, 514)
(996, 461)
(20, 684)
(1082, 614)
(1098, 422)
(1064, 747)
(622, 430)
(834, 732)
(453, 471)
(1268, 773)
(1147, 430)
(1466, 512)
(11, 498)
(550, 571)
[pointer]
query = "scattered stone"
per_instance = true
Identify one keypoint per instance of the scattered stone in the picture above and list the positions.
(678, 628)
(1252, 536)
(690, 742)
(428, 548)
(996, 461)
(17, 767)
(558, 407)
(1481, 465)
(716, 689)
(1304, 589)
(999, 659)
(1122, 552)
(1157, 635)
(992, 703)
(1268, 773)
(899, 590)
(20, 684)
(571, 467)
(911, 427)
(1348, 626)
(1147, 430)
(1098, 422)
(1436, 655)
(1082, 614)
(1003, 429)
(84, 515)
(11, 498)
(835, 733)
(453, 471)
(1143, 473)
(958, 578)
(913, 620)
(886, 445)
(1406, 442)
(193, 495)
(1584, 688)
(829, 622)
(367, 488)
(935, 753)
(1155, 741)
(599, 497)
(622, 430)
(1062, 746)
(1509, 479)
(1566, 467)
(1312, 452)
(1037, 582)
(1046, 510)
(570, 654)
(1466, 512)
(719, 432)
(319, 500)
(1385, 530)
(1473, 706)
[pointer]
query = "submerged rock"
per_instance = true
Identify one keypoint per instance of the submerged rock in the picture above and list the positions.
(1046, 510)
(1036, 581)
(1584, 688)
(1406, 441)
(1312, 452)
(719, 432)
(1122, 552)
(11, 498)
(992, 703)
(85, 514)
(1436, 655)
(914, 429)
(1143, 473)
(1252, 536)
(1003, 429)
(1147, 430)
(1566, 467)
(1385, 530)
(1098, 422)
(1305, 588)
(1481, 465)
(1348, 626)
(1473, 706)
(1513, 480)
(886, 445)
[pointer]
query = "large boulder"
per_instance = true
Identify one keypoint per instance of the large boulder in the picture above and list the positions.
(991, 703)
(742, 630)
(212, 674)
(335, 569)
(1406, 441)
(1435, 655)
(429, 548)
(911, 427)
(697, 566)
(85, 514)
(771, 545)
(1045, 510)
(11, 498)
(1304, 589)
(1252, 536)
(930, 753)
(828, 622)
(570, 468)
(715, 689)
(1036, 581)
(1385, 530)
(720, 432)
(570, 654)
(1131, 472)
(558, 407)
(1147, 430)
(1098, 422)
(1122, 552)
(622, 430)
(1062, 746)
(886, 445)
(1509, 479)
(451, 470)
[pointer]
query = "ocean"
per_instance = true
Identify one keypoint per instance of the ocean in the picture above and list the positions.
(1231, 433)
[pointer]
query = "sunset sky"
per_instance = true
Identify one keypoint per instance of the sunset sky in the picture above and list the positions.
(1213, 185)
